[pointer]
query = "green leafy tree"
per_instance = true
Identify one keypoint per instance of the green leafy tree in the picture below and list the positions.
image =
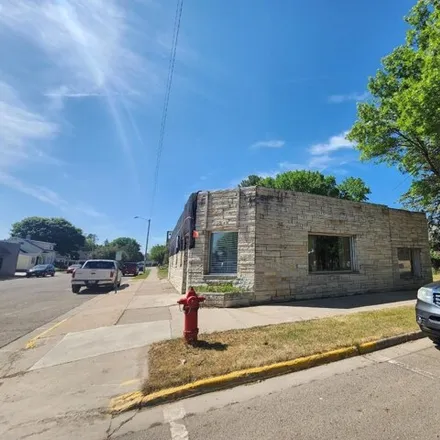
(105, 252)
(314, 182)
(67, 238)
(129, 246)
(159, 254)
(353, 188)
(91, 242)
(251, 180)
(400, 125)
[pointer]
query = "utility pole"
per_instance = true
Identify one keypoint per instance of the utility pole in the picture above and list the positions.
(146, 245)
(146, 240)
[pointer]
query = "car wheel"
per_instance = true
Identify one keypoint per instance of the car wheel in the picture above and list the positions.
(52, 274)
(76, 289)
(28, 275)
(435, 340)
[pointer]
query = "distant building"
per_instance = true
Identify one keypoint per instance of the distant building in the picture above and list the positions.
(8, 258)
(274, 245)
(65, 261)
(33, 252)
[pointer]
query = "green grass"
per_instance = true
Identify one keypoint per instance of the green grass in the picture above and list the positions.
(172, 363)
(218, 288)
(162, 272)
(143, 275)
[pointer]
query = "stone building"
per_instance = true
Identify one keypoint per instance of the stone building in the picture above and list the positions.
(275, 245)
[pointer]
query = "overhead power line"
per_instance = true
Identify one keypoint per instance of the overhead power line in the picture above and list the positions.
(173, 51)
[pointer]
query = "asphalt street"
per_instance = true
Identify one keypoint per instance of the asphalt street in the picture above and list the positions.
(392, 394)
(28, 303)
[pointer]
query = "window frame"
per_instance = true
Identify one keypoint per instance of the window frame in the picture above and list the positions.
(416, 273)
(208, 271)
(353, 257)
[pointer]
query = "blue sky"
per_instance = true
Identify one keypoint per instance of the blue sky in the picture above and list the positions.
(259, 87)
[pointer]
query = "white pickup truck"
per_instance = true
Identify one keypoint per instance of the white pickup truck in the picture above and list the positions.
(97, 273)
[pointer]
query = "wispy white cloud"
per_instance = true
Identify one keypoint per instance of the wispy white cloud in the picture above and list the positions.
(88, 45)
(40, 193)
(290, 166)
(58, 95)
(275, 143)
(88, 210)
(48, 196)
(321, 157)
(87, 39)
(25, 137)
(335, 143)
(21, 130)
(338, 99)
(320, 163)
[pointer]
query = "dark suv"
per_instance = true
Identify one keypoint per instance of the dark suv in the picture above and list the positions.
(41, 270)
(428, 310)
(130, 269)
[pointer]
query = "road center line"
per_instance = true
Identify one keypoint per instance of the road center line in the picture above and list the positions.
(174, 414)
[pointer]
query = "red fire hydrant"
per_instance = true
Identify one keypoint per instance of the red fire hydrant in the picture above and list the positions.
(191, 304)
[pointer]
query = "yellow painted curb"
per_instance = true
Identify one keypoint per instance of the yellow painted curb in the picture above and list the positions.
(33, 342)
(137, 399)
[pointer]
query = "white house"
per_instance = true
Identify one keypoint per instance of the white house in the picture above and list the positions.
(33, 252)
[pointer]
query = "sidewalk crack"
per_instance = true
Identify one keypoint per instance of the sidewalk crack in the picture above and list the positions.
(110, 433)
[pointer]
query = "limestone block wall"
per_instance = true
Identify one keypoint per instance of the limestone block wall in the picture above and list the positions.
(228, 211)
(409, 229)
(285, 219)
(176, 271)
(273, 229)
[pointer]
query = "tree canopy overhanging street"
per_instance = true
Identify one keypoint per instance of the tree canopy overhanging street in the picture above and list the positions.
(399, 123)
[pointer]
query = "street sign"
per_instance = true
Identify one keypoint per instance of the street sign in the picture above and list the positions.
(119, 256)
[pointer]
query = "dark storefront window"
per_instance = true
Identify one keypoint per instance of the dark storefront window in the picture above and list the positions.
(223, 253)
(329, 253)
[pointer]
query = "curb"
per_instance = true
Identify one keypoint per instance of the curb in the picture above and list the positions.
(136, 400)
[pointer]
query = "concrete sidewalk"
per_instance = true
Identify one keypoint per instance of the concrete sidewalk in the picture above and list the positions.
(61, 387)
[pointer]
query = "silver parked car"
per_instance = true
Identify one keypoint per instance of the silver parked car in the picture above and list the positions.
(428, 310)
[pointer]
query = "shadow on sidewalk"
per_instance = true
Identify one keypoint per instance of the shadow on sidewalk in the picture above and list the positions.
(353, 301)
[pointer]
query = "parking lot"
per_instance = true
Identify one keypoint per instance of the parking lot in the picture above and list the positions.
(28, 303)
